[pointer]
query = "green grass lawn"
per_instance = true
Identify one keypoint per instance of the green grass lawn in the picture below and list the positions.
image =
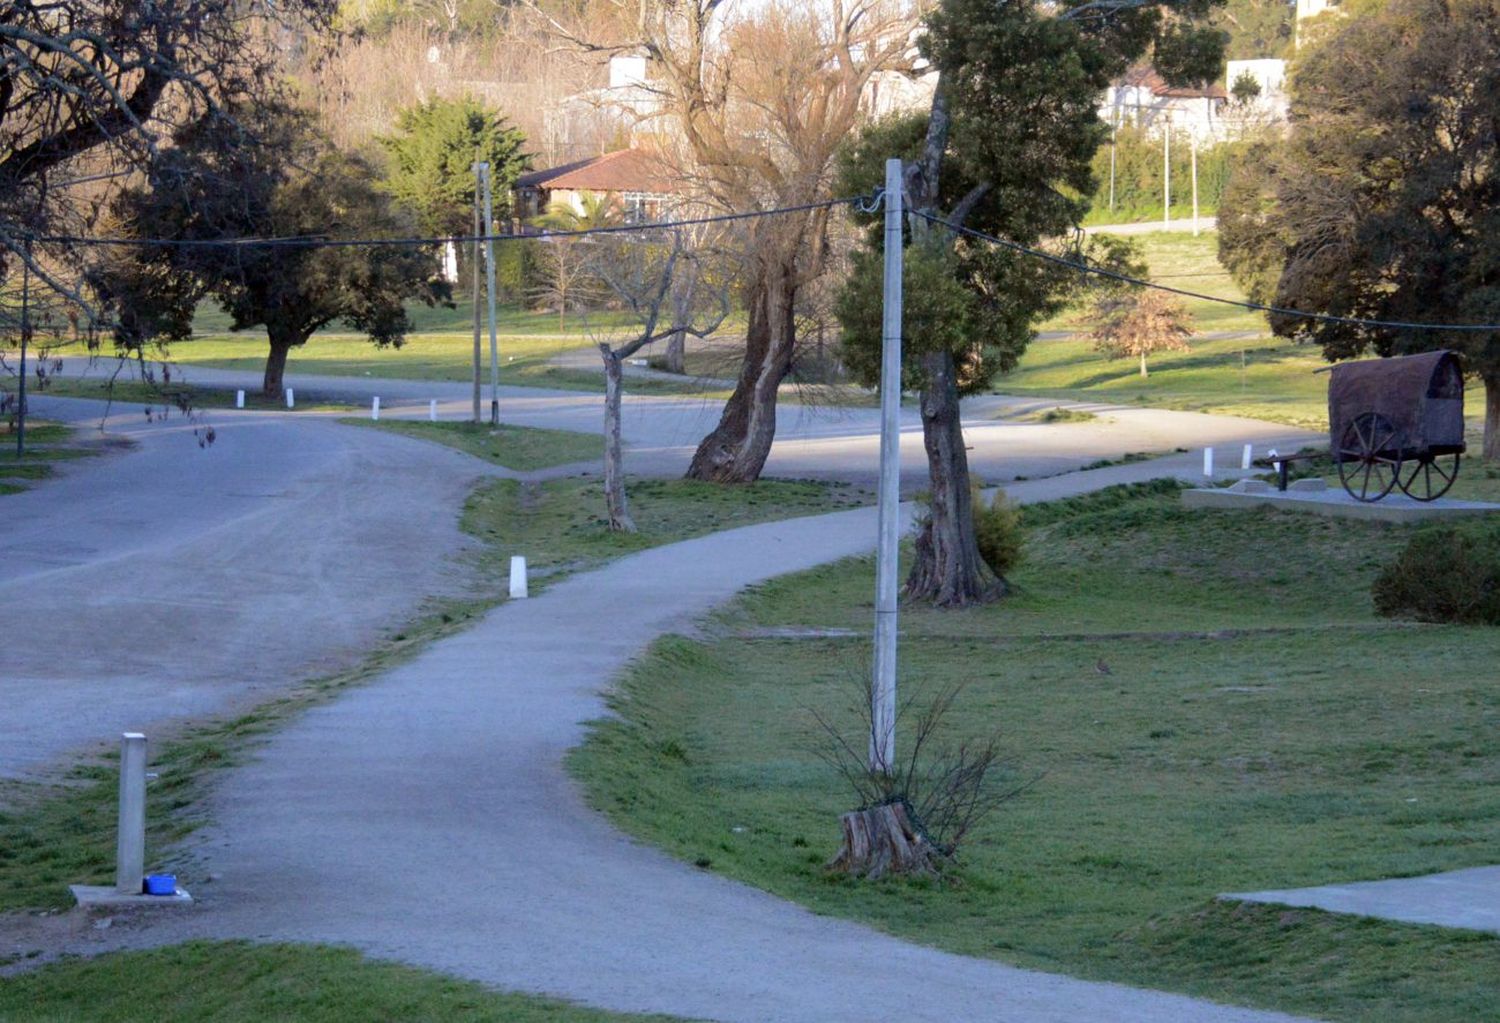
(1268, 378)
(521, 448)
(523, 360)
(560, 526)
(1263, 377)
(158, 396)
(237, 982)
(45, 444)
(55, 835)
(1259, 727)
(441, 347)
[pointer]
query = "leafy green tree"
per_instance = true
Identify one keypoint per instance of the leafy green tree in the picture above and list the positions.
(1383, 202)
(431, 161)
(209, 187)
(1006, 149)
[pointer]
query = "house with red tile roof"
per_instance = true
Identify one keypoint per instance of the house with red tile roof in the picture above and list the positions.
(640, 186)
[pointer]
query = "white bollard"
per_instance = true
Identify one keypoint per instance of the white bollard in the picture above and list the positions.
(1248, 456)
(517, 577)
(432, 410)
(1208, 461)
(130, 844)
(239, 399)
(375, 407)
(291, 401)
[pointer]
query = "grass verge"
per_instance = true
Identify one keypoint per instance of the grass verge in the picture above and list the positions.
(46, 444)
(1213, 706)
(166, 397)
(237, 982)
(55, 835)
(560, 527)
(515, 447)
(524, 359)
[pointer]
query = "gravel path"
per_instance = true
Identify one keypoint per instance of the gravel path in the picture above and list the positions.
(427, 818)
(166, 582)
(813, 441)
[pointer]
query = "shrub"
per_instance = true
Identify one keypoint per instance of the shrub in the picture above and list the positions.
(997, 527)
(1450, 574)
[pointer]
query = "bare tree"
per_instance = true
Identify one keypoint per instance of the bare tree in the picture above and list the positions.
(108, 81)
(515, 67)
(670, 291)
(912, 816)
(761, 96)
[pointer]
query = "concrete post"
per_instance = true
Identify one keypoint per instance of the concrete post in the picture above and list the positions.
(239, 399)
(291, 399)
(1247, 456)
(489, 283)
(130, 846)
(883, 687)
(375, 408)
(432, 410)
(1208, 461)
(517, 577)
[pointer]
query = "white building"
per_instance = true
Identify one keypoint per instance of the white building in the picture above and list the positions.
(1269, 105)
(1143, 99)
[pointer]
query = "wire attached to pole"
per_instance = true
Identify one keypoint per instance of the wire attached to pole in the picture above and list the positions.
(1115, 275)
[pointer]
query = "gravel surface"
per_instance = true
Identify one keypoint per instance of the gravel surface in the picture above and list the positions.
(165, 581)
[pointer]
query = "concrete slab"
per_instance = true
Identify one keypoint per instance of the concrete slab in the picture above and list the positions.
(1335, 502)
(103, 896)
(1467, 899)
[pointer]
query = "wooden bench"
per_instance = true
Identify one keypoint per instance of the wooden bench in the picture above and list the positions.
(1280, 462)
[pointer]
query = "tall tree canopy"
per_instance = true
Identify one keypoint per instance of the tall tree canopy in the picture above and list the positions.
(432, 154)
(108, 81)
(1006, 149)
(1383, 202)
(210, 187)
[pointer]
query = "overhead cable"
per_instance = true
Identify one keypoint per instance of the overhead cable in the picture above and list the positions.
(1115, 275)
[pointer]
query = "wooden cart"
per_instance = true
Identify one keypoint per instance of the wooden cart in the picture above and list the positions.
(1397, 422)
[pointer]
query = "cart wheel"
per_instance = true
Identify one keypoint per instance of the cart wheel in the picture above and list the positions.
(1369, 457)
(1429, 478)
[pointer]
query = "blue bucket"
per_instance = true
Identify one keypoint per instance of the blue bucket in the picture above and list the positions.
(161, 884)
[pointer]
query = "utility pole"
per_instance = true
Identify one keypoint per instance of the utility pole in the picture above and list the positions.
(489, 273)
(476, 294)
(25, 337)
(883, 686)
(1114, 136)
(1193, 141)
(1166, 173)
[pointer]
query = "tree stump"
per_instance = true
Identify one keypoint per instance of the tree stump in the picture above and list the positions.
(881, 841)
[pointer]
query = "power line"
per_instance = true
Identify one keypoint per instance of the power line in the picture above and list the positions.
(313, 242)
(1115, 275)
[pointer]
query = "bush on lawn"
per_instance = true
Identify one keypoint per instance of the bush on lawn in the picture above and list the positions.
(1450, 574)
(998, 529)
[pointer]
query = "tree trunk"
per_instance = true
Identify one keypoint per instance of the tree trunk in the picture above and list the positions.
(1491, 416)
(1143, 365)
(282, 342)
(614, 478)
(881, 841)
(736, 450)
(948, 571)
(673, 359)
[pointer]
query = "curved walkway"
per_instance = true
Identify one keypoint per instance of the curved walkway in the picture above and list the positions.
(428, 818)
